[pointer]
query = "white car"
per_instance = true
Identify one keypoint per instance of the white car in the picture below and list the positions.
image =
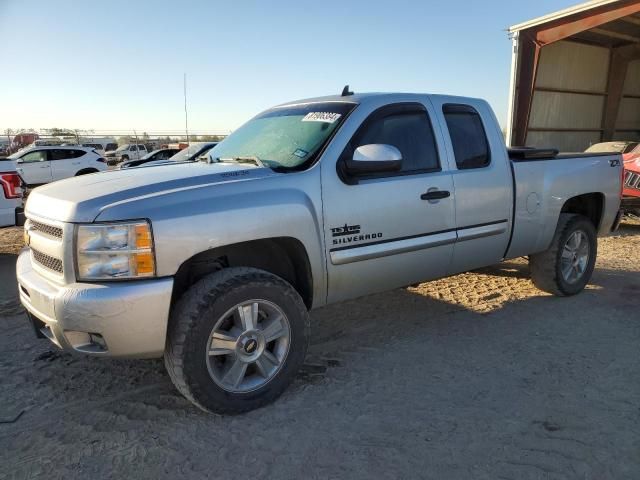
(126, 152)
(40, 165)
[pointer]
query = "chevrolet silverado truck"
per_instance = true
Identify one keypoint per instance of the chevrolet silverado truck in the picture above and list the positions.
(214, 265)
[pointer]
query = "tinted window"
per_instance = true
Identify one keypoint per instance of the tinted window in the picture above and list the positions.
(408, 129)
(38, 156)
(141, 147)
(132, 148)
(468, 137)
(111, 146)
(65, 154)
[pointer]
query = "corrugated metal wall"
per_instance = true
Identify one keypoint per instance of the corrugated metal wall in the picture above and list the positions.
(569, 98)
(629, 115)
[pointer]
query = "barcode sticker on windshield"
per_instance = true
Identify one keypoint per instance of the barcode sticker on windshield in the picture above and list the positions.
(326, 117)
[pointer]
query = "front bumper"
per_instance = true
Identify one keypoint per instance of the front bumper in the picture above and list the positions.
(117, 319)
(630, 203)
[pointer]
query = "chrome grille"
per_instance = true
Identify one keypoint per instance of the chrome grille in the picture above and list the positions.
(632, 180)
(49, 230)
(47, 261)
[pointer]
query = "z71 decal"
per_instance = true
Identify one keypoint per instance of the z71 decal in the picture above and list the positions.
(350, 234)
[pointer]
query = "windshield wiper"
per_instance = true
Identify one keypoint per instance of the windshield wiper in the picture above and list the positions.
(253, 159)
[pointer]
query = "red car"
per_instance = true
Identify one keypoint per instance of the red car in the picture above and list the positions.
(631, 156)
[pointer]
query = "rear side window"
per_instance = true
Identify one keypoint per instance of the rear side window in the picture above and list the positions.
(406, 127)
(65, 154)
(111, 146)
(469, 140)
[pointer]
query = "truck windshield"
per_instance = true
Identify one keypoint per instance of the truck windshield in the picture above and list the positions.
(285, 138)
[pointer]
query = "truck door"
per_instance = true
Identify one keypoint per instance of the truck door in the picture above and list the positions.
(483, 182)
(34, 167)
(389, 230)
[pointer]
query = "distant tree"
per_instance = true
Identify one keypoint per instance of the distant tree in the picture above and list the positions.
(211, 138)
(124, 140)
(59, 132)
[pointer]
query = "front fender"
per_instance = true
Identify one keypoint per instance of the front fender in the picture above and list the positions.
(192, 221)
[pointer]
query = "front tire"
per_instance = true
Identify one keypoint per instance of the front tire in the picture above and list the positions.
(236, 340)
(566, 267)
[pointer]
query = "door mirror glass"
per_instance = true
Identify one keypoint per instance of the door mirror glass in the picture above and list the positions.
(374, 158)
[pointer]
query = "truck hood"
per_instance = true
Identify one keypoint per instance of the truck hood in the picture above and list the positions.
(81, 199)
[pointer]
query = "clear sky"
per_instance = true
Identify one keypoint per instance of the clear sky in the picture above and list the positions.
(119, 64)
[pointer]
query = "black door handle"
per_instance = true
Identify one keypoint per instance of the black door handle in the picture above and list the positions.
(435, 195)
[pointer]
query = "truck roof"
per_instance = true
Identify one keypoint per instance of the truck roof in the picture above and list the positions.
(366, 96)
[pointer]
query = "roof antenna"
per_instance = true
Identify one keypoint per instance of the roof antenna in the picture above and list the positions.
(346, 92)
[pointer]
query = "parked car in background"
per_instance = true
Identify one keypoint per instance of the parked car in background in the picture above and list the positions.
(192, 153)
(631, 157)
(214, 265)
(11, 195)
(40, 165)
(160, 154)
(126, 152)
(102, 146)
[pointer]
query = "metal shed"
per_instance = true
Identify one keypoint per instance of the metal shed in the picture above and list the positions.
(575, 77)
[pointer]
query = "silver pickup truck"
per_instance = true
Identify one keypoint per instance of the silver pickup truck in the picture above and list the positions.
(215, 264)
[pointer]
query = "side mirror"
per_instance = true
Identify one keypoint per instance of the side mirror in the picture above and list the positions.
(374, 158)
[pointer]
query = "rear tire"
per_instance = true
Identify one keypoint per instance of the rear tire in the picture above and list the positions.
(208, 338)
(563, 270)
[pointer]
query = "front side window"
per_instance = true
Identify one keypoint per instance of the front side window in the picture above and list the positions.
(406, 127)
(37, 156)
(284, 138)
(468, 137)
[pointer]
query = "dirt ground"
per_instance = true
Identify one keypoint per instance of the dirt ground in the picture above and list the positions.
(479, 376)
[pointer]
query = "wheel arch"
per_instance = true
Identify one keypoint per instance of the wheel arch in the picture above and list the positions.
(285, 257)
(590, 205)
(86, 171)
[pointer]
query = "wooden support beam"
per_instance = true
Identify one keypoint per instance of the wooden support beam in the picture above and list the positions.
(632, 20)
(612, 34)
(529, 60)
(587, 21)
(620, 58)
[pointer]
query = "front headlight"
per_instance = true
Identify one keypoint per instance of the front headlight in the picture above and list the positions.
(114, 251)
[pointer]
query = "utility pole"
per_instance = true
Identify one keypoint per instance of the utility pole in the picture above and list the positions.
(186, 121)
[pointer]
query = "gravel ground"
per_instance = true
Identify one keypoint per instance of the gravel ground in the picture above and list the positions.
(479, 376)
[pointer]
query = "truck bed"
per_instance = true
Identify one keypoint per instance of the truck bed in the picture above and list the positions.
(525, 154)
